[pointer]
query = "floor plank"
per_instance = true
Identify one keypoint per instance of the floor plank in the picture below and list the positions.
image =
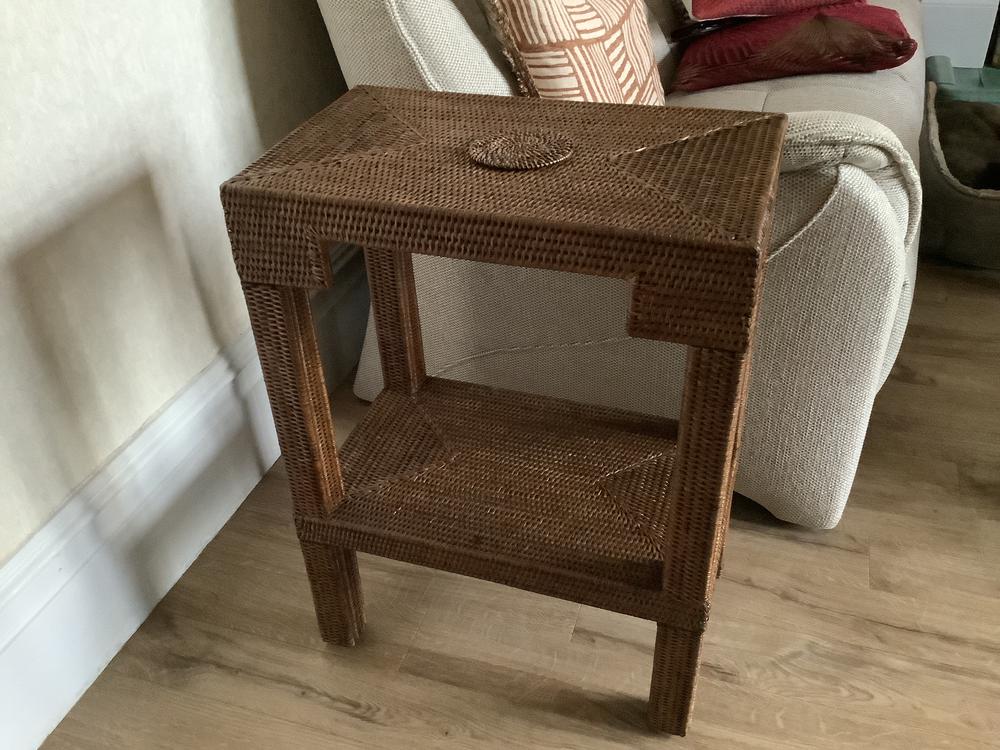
(883, 633)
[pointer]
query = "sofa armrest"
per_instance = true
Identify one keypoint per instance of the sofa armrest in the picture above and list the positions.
(819, 139)
(825, 145)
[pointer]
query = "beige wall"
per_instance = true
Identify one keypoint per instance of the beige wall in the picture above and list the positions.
(118, 121)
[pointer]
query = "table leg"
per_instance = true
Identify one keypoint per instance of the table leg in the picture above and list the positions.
(701, 485)
(336, 590)
(675, 667)
(286, 341)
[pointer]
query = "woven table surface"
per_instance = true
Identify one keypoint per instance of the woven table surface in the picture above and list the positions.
(558, 484)
(678, 191)
(667, 171)
(687, 174)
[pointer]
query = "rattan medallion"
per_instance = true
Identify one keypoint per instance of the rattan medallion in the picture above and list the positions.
(608, 508)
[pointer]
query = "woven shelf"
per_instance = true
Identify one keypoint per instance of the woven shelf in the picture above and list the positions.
(504, 475)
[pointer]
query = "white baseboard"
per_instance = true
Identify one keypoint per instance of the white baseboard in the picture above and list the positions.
(72, 596)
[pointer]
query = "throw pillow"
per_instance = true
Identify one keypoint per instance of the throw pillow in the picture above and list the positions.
(845, 38)
(704, 10)
(582, 50)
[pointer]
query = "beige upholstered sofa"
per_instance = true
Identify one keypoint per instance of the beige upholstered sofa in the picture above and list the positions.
(839, 279)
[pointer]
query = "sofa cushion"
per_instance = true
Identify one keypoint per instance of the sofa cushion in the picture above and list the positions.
(663, 17)
(598, 51)
(891, 97)
(443, 45)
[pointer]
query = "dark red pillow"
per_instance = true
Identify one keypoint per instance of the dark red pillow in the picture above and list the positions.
(707, 9)
(844, 38)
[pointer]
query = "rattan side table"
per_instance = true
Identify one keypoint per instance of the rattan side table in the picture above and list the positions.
(603, 507)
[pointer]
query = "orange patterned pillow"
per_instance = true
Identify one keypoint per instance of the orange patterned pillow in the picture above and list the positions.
(583, 50)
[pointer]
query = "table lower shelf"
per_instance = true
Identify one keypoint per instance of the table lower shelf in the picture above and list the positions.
(544, 494)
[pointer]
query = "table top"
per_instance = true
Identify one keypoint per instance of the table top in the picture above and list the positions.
(677, 200)
(673, 174)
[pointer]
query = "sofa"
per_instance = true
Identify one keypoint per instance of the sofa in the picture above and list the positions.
(839, 278)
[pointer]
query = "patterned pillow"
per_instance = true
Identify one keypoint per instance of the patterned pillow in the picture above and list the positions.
(583, 50)
(845, 38)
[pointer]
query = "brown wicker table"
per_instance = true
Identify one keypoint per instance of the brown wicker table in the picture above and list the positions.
(608, 508)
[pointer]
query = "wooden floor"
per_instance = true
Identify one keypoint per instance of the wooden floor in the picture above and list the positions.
(884, 633)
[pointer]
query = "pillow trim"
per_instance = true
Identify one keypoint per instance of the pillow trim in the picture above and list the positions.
(503, 29)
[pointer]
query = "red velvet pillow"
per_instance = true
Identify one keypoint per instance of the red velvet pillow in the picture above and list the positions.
(845, 38)
(708, 9)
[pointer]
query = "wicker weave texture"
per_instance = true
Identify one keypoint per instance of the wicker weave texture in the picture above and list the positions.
(677, 201)
(609, 508)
